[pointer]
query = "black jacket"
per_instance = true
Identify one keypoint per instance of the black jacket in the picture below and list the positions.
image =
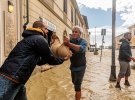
(29, 52)
(125, 51)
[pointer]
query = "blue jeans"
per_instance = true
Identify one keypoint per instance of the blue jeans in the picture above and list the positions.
(11, 91)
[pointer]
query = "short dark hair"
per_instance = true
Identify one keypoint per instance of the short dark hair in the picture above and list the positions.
(37, 24)
(125, 34)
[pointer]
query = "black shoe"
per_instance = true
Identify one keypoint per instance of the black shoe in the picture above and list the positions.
(127, 83)
(118, 86)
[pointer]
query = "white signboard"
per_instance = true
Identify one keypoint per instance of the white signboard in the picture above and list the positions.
(50, 25)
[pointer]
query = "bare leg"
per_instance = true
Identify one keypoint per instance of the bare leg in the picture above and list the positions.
(78, 95)
(118, 80)
(126, 78)
(118, 83)
(126, 81)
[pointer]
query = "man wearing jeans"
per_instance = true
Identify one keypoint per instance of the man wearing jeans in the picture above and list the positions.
(78, 60)
(31, 51)
(125, 56)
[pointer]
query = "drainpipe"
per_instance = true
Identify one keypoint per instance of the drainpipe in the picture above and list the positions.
(27, 16)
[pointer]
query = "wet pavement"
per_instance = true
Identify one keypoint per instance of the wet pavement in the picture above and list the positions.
(56, 84)
(96, 84)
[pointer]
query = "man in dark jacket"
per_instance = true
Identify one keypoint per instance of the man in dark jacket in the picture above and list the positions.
(31, 51)
(125, 56)
(78, 59)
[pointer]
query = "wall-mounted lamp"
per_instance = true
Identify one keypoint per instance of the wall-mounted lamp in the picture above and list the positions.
(10, 7)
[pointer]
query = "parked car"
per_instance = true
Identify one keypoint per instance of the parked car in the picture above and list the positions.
(92, 49)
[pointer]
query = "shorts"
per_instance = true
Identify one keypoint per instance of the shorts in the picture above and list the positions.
(124, 69)
(77, 77)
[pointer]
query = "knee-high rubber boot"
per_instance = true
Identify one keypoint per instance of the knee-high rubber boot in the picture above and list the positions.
(78, 95)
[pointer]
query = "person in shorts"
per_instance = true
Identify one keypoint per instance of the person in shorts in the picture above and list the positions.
(125, 56)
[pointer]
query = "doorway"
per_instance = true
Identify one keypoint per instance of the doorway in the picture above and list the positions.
(49, 37)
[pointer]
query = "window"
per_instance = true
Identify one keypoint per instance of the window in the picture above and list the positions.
(65, 6)
(72, 15)
(77, 21)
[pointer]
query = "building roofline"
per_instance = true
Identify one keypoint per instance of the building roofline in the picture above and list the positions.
(133, 25)
(86, 21)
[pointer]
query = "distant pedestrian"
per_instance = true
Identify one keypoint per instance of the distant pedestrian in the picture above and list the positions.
(32, 50)
(78, 60)
(125, 56)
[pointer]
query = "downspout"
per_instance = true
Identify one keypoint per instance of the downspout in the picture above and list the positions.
(75, 16)
(27, 16)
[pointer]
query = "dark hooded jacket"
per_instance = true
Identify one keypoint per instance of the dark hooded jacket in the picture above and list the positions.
(31, 51)
(125, 51)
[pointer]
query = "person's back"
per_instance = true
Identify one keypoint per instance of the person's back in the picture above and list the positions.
(24, 57)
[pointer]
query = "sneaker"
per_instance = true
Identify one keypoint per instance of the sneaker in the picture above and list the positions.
(118, 86)
(127, 83)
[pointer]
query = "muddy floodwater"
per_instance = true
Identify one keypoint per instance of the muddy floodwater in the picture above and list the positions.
(55, 84)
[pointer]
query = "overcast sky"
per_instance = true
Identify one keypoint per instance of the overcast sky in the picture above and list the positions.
(99, 15)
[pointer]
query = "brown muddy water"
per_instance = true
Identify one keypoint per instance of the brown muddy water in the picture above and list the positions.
(55, 84)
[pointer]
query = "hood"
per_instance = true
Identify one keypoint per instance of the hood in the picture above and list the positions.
(32, 31)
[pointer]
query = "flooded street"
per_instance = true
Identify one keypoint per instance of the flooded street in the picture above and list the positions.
(55, 84)
(36, 32)
(96, 80)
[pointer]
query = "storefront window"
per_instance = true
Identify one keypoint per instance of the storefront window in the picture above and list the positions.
(65, 6)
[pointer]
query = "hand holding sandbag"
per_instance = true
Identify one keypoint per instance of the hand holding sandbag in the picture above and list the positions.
(63, 51)
(66, 41)
(60, 50)
(68, 56)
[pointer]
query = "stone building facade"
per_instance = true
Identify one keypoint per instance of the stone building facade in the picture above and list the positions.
(59, 15)
(132, 30)
(117, 41)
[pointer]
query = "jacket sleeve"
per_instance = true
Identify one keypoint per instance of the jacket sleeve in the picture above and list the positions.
(51, 61)
(46, 56)
(83, 46)
(41, 62)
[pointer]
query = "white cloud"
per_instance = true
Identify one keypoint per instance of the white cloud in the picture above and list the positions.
(97, 4)
(108, 37)
(125, 7)
(97, 30)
